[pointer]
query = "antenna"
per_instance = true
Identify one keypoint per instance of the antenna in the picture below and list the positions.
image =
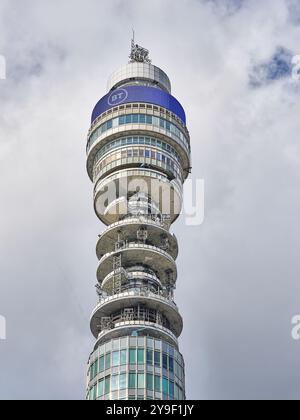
(138, 54)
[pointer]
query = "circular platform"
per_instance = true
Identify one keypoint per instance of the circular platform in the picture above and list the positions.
(127, 230)
(125, 300)
(138, 254)
(111, 193)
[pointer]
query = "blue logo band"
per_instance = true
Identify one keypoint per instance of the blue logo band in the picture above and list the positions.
(142, 94)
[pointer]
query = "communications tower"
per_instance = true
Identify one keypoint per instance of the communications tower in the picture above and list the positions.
(138, 157)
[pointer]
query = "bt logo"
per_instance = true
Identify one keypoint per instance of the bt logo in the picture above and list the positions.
(296, 328)
(117, 97)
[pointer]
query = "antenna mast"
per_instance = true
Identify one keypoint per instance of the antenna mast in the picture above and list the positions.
(138, 54)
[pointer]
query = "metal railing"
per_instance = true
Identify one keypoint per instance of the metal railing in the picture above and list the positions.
(132, 245)
(143, 324)
(142, 274)
(145, 219)
(100, 184)
(139, 292)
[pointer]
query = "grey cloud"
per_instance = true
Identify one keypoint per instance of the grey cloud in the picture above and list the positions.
(226, 7)
(294, 11)
(279, 66)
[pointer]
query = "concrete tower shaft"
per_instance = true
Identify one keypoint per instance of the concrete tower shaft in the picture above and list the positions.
(138, 156)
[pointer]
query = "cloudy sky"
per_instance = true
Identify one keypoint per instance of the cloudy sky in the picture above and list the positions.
(238, 287)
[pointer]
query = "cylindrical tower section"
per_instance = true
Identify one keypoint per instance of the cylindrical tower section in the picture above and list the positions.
(138, 156)
(143, 74)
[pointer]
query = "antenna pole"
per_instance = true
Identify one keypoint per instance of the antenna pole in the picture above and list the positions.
(138, 54)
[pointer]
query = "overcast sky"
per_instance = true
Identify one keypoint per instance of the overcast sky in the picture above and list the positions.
(238, 287)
